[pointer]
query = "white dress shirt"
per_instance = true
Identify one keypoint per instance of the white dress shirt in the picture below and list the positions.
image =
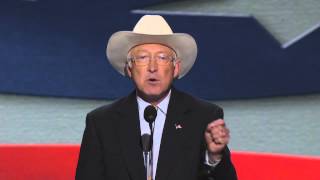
(158, 125)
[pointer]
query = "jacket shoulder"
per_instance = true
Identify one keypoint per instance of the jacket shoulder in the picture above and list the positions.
(107, 110)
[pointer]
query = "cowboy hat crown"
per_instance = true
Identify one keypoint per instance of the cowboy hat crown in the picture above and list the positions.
(151, 29)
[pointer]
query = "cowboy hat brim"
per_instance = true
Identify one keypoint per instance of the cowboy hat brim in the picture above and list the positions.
(121, 42)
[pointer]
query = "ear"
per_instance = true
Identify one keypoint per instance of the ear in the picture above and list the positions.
(176, 71)
(128, 70)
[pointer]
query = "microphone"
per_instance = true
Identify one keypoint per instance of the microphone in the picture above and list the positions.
(145, 139)
(150, 114)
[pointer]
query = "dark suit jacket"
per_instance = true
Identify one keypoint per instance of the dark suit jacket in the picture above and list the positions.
(111, 147)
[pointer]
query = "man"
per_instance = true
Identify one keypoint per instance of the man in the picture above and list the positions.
(189, 136)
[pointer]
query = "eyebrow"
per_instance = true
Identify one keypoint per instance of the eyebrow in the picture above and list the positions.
(133, 49)
(161, 51)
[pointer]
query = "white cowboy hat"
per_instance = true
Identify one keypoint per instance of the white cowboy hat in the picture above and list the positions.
(151, 29)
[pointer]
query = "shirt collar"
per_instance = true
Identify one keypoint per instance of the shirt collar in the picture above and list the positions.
(162, 106)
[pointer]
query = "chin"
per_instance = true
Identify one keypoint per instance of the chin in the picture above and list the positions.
(154, 94)
(152, 91)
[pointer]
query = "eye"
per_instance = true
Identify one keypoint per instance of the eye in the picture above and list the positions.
(141, 57)
(163, 57)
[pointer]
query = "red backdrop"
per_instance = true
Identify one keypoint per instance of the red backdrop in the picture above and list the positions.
(58, 162)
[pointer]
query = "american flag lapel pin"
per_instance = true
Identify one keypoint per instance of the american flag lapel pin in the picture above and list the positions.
(178, 126)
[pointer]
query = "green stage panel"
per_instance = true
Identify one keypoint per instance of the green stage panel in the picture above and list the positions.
(279, 124)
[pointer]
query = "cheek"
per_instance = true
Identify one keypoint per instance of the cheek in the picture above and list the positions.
(137, 76)
(167, 75)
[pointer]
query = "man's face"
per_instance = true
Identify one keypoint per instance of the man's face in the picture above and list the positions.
(153, 77)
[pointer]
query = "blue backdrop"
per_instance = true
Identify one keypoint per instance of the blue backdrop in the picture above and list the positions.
(57, 48)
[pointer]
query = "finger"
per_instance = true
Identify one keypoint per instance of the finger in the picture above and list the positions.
(223, 133)
(215, 137)
(218, 122)
(219, 133)
(223, 141)
(218, 130)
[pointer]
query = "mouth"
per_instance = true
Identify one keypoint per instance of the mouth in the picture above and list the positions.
(153, 81)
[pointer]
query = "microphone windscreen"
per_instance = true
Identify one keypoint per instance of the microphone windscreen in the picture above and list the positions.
(145, 139)
(150, 114)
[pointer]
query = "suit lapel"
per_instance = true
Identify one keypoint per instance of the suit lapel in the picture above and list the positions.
(130, 138)
(171, 136)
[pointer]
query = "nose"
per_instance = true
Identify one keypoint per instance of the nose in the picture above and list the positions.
(152, 66)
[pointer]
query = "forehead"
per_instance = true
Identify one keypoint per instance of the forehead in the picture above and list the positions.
(151, 48)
